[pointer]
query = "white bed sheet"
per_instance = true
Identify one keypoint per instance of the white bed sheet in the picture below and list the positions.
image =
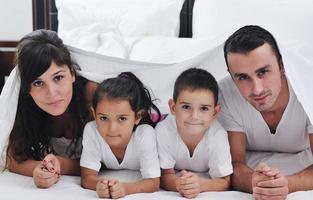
(16, 187)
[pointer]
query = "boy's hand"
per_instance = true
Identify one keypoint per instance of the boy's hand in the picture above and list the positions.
(117, 189)
(188, 184)
(102, 188)
(44, 178)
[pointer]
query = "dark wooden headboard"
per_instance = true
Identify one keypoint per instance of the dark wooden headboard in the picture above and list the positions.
(45, 16)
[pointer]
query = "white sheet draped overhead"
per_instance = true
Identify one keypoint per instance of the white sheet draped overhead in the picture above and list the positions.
(160, 78)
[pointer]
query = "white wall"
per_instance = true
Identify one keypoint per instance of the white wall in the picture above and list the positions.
(15, 19)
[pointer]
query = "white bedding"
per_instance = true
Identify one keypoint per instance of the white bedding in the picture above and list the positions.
(16, 187)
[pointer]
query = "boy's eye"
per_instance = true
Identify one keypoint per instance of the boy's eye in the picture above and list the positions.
(103, 118)
(58, 77)
(37, 83)
(204, 108)
(185, 107)
(121, 119)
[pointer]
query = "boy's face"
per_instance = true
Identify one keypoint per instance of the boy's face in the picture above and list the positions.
(194, 111)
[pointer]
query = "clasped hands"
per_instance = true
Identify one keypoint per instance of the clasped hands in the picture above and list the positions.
(269, 183)
(47, 172)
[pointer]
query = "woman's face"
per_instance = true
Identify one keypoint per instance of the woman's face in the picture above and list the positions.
(53, 90)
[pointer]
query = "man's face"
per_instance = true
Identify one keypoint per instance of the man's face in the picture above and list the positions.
(257, 75)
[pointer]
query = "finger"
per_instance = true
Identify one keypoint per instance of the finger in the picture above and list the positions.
(262, 167)
(190, 193)
(280, 191)
(189, 186)
(272, 172)
(44, 174)
(278, 182)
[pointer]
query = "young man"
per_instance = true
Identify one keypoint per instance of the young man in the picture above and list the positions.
(261, 113)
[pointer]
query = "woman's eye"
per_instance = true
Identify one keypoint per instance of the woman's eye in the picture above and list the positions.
(58, 78)
(37, 83)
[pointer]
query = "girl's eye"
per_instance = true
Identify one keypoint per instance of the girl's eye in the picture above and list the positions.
(262, 72)
(121, 119)
(186, 107)
(37, 83)
(204, 108)
(103, 118)
(58, 77)
(242, 77)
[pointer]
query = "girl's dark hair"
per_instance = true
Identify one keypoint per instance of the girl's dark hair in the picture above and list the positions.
(195, 79)
(249, 38)
(29, 139)
(127, 86)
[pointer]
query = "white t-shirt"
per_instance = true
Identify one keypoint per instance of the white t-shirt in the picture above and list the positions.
(211, 155)
(141, 152)
(238, 115)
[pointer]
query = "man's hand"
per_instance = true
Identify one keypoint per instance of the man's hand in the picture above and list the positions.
(269, 183)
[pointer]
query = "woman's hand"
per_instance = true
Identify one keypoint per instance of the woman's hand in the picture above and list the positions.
(43, 178)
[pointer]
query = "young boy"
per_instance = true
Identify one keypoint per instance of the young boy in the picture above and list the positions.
(191, 140)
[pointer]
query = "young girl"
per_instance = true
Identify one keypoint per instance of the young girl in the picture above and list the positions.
(121, 137)
(52, 111)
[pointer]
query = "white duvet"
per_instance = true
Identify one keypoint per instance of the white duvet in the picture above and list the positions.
(178, 55)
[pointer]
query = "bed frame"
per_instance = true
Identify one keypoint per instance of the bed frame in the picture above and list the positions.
(45, 16)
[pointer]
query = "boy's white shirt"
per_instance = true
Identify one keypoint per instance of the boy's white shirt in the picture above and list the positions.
(211, 155)
(141, 152)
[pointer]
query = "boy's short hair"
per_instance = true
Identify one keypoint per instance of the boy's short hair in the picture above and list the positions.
(195, 79)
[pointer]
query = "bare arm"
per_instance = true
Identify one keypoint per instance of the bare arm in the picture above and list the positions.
(143, 186)
(302, 180)
(89, 178)
(168, 179)
(217, 184)
(69, 166)
(25, 168)
(242, 176)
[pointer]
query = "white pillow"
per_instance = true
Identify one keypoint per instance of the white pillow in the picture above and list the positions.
(127, 17)
(286, 19)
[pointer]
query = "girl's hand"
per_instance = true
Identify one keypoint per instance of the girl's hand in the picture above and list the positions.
(102, 188)
(188, 184)
(117, 189)
(44, 178)
(52, 164)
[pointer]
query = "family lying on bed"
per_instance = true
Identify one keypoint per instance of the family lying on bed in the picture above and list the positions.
(53, 127)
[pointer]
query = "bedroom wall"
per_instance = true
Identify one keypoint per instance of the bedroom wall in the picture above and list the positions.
(15, 21)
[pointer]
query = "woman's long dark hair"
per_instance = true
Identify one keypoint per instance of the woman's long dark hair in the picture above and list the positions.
(127, 86)
(36, 51)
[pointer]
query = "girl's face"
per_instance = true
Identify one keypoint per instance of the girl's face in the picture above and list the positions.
(115, 121)
(53, 90)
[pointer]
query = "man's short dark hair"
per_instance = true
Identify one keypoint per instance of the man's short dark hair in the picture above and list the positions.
(249, 38)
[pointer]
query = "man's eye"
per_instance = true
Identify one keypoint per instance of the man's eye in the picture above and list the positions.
(37, 83)
(262, 72)
(242, 77)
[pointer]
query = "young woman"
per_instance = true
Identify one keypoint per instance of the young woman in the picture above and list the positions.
(52, 111)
